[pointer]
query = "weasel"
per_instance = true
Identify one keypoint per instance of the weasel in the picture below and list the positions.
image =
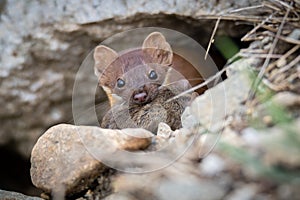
(139, 83)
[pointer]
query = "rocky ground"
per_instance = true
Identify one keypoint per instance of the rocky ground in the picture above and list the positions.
(247, 162)
(251, 119)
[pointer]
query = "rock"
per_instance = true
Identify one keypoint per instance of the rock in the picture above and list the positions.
(212, 165)
(8, 195)
(224, 99)
(244, 192)
(188, 188)
(66, 158)
(212, 109)
(172, 182)
(118, 196)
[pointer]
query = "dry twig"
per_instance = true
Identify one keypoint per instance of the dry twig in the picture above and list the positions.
(212, 37)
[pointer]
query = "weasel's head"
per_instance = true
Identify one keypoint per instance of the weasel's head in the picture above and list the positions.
(134, 76)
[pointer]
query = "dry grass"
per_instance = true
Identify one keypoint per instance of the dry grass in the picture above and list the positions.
(278, 30)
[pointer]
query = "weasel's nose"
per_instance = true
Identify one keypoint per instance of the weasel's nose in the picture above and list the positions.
(140, 96)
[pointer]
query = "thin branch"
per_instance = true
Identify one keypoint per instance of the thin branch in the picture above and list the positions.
(273, 86)
(290, 65)
(283, 57)
(286, 39)
(246, 8)
(284, 4)
(260, 55)
(258, 26)
(212, 37)
(210, 79)
(254, 19)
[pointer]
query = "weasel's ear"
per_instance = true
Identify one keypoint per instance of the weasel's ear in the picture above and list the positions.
(159, 50)
(103, 57)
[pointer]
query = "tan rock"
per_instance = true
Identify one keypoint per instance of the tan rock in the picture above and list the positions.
(66, 160)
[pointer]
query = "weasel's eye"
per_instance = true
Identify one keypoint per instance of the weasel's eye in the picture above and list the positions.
(152, 75)
(120, 83)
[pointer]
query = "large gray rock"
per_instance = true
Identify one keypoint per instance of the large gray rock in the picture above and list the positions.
(44, 42)
(225, 99)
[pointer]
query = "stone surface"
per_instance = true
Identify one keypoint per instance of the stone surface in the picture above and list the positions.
(212, 165)
(245, 192)
(8, 195)
(64, 160)
(172, 182)
(223, 100)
